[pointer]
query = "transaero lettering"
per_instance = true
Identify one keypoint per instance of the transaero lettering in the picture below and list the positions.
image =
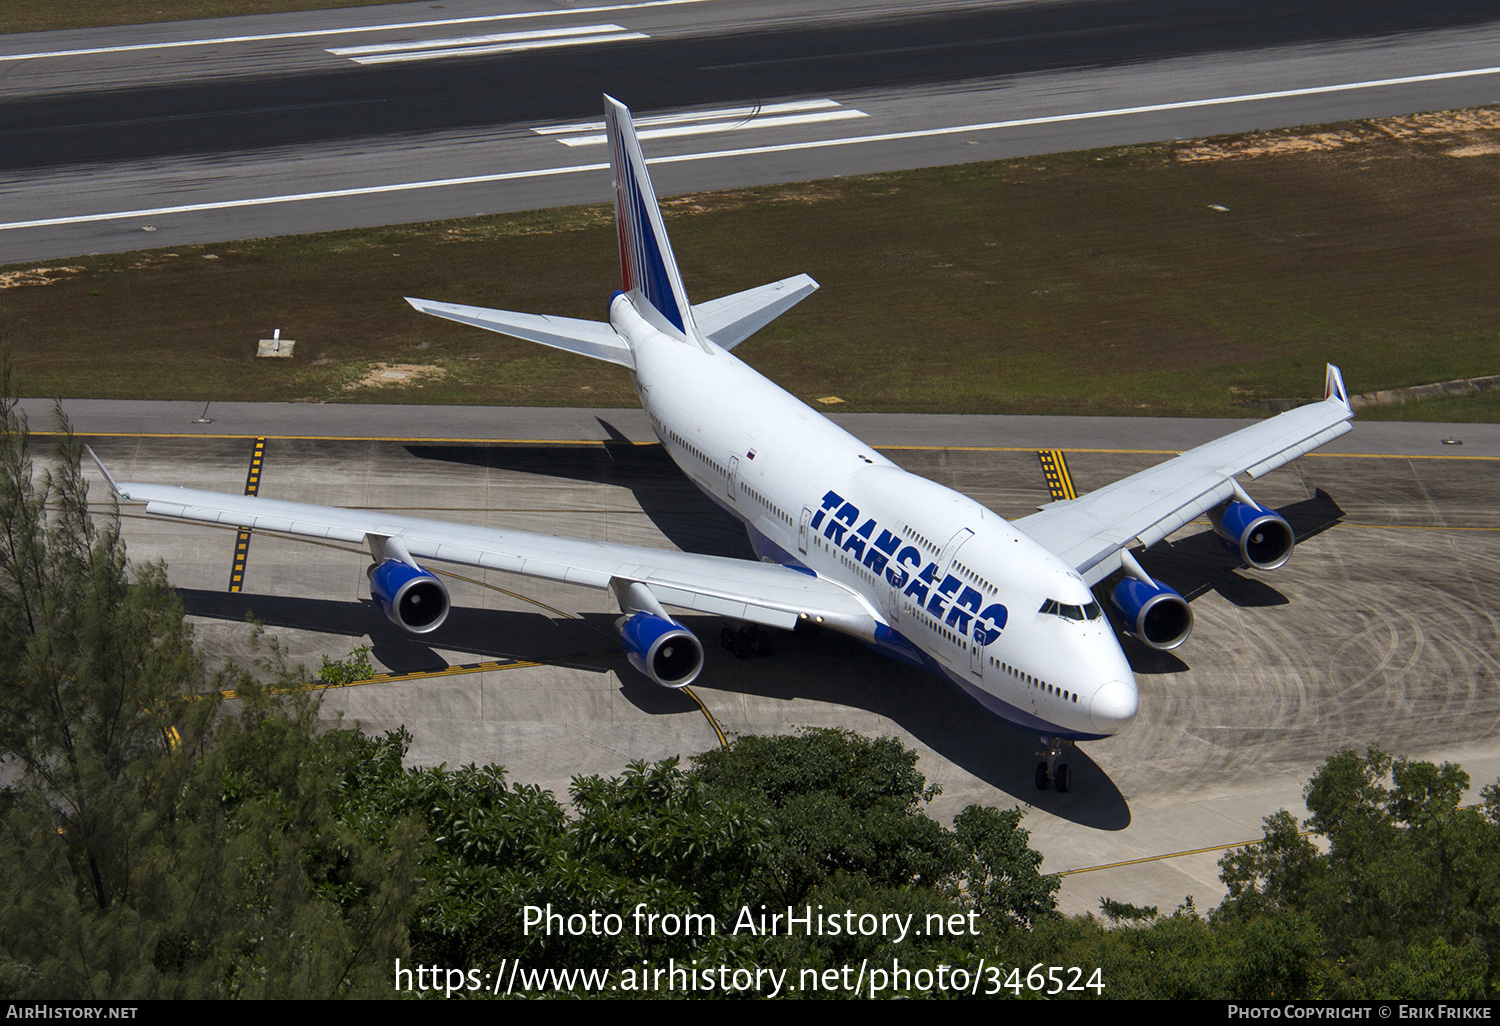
(884, 554)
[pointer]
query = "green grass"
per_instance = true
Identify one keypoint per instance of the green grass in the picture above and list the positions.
(44, 15)
(1082, 283)
(1464, 409)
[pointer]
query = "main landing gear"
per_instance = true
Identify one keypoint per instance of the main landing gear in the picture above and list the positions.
(749, 640)
(1050, 772)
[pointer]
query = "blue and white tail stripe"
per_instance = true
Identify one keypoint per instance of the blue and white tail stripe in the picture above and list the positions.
(647, 267)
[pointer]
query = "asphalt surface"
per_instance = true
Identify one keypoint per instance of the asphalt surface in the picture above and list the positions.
(1381, 630)
(201, 132)
(260, 100)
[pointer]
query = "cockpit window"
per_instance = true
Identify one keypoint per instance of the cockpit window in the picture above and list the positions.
(1075, 613)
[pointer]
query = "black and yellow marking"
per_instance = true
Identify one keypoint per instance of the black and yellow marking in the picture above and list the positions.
(718, 731)
(242, 543)
(1059, 481)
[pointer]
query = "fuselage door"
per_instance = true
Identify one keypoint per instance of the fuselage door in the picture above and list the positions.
(945, 560)
(802, 530)
(734, 478)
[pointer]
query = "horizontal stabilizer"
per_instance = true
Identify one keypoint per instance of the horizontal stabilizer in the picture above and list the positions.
(587, 338)
(729, 321)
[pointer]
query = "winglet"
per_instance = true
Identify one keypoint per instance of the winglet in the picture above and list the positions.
(648, 270)
(1333, 386)
(100, 464)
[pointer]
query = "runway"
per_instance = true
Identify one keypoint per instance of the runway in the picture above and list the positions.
(1381, 630)
(200, 132)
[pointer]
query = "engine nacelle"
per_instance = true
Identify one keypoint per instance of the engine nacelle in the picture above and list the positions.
(1154, 612)
(412, 598)
(1262, 537)
(661, 648)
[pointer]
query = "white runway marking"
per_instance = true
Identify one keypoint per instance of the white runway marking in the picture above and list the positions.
(346, 30)
(731, 119)
(478, 46)
(261, 201)
(746, 151)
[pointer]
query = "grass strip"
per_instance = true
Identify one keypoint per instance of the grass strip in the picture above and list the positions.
(1174, 279)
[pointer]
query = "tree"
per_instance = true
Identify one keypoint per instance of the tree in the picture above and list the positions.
(156, 846)
(90, 672)
(835, 802)
(1003, 880)
(1408, 891)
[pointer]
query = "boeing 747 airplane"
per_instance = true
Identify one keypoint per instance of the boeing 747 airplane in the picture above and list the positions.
(846, 539)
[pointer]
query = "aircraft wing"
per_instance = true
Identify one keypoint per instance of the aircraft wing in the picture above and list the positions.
(738, 589)
(1091, 531)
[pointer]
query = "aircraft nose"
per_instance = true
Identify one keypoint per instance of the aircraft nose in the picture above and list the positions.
(1114, 706)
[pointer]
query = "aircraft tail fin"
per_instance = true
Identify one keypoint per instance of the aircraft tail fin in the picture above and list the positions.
(648, 270)
(649, 278)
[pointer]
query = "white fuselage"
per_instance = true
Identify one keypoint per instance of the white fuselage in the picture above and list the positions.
(986, 606)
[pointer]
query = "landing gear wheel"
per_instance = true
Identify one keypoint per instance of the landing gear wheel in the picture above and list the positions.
(1042, 779)
(1064, 778)
(745, 642)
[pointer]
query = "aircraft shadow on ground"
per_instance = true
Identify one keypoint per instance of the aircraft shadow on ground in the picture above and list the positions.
(934, 712)
(588, 643)
(836, 669)
(1202, 563)
(668, 499)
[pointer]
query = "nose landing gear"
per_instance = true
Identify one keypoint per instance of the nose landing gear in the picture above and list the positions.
(1050, 772)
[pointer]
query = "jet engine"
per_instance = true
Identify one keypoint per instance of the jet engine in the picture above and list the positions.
(411, 597)
(1154, 612)
(661, 648)
(1262, 537)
